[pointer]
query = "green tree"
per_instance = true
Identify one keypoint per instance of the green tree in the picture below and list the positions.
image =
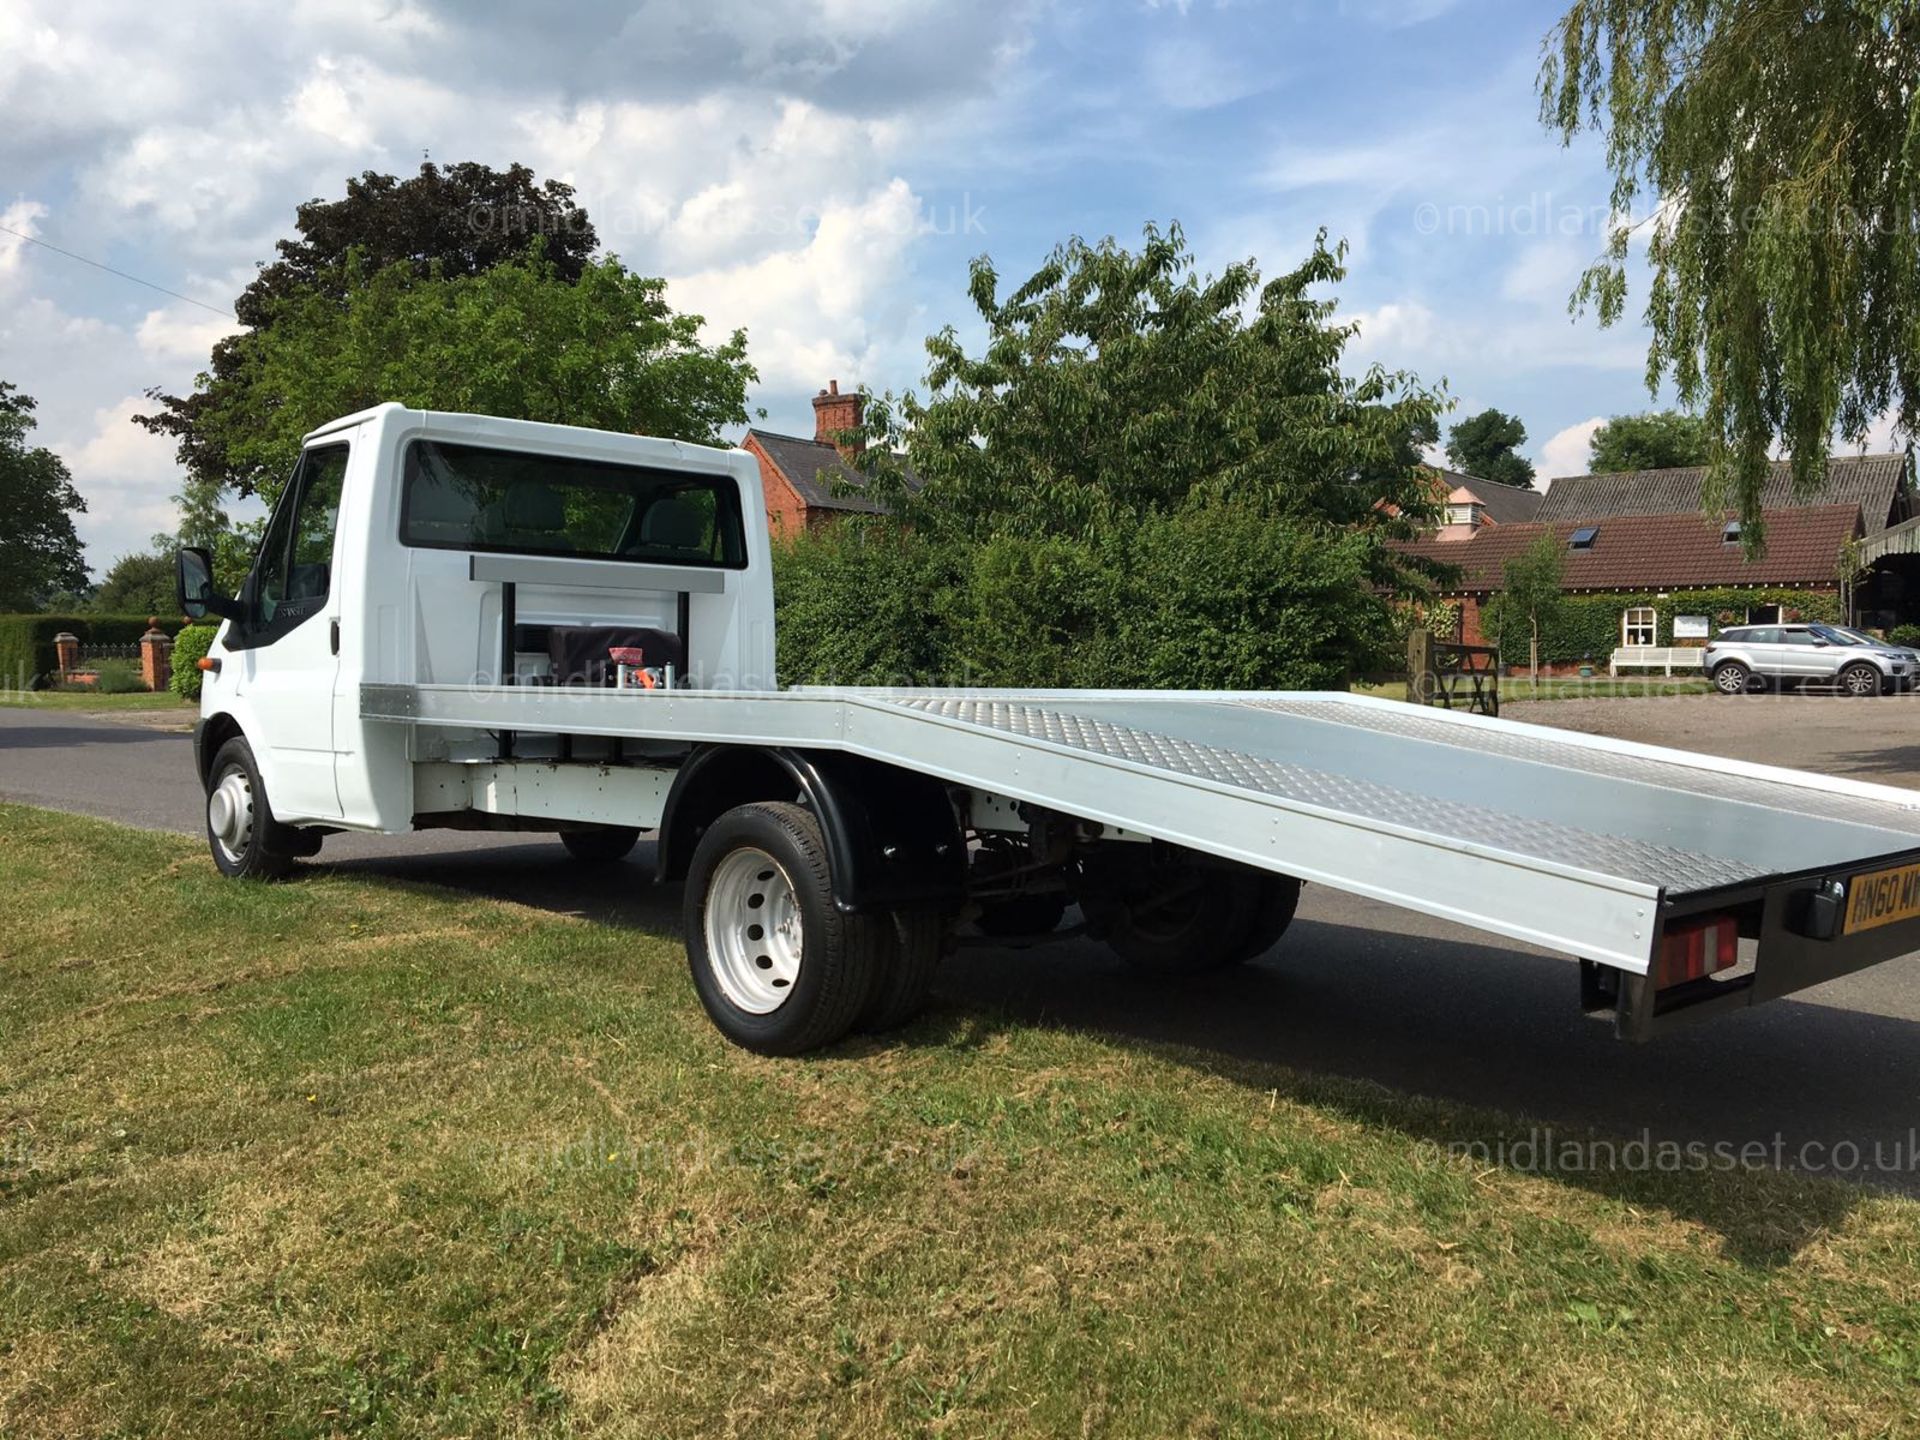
(606, 351)
(1487, 446)
(1779, 146)
(40, 552)
(1530, 595)
(141, 583)
(1657, 440)
(1115, 384)
(1145, 476)
(457, 222)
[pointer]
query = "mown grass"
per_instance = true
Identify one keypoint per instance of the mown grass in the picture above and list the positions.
(82, 699)
(342, 1157)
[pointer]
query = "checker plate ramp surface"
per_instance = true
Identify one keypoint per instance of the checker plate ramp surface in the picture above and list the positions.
(1617, 815)
(1544, 750)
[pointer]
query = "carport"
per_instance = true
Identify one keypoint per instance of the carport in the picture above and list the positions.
(1888, 592)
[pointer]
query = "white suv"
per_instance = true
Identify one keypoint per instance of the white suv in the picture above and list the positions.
(1780, 655)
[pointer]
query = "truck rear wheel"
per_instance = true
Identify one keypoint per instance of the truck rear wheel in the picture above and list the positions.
(1192, 918)
(780, 969)
(247, 842)
(903, 974)
(601, 846)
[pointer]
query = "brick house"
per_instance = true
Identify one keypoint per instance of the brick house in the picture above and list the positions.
(1473, 504)
(1664, 555)
(800, 476)
(1641, 539)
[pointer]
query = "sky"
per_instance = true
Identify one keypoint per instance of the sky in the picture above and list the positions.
(819, 171)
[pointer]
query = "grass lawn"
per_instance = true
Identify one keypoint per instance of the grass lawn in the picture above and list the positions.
(88, 700)
(346, 1157)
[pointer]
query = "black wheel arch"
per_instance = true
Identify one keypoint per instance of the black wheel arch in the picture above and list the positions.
(209, 734)
(892, 835)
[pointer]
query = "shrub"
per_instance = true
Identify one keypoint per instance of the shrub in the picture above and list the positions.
(1211, 596)
(1225, 597)
(1908, 635)
(857, 604)
(117, 677)
(188, 646)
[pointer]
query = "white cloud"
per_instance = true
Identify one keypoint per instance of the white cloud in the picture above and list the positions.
(128, 479)
(21, 216)
(826, 309)
(181, 334)
(1566, 452)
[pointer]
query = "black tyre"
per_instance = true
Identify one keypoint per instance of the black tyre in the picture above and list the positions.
(1860, 680)
(1187, 918)
(1732, 678)
(911, 945)
(602, 846)
(778, 967)
(246, 841)
(1271, 914)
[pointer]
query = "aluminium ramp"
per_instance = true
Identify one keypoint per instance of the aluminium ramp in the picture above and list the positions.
(1566, 841)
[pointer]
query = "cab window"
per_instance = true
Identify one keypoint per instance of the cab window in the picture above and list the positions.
(294, 570)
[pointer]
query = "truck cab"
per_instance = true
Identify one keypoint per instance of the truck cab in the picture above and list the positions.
(412, 547)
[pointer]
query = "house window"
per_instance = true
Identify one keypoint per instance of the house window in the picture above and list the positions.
(1637, 626)
(1730, 533)
(1583, 538)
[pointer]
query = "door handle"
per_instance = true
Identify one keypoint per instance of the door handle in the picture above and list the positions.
(333, 635)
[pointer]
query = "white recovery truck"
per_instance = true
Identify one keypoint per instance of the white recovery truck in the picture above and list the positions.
(457, 621)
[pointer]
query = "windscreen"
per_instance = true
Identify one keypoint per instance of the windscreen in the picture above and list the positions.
(472, 497)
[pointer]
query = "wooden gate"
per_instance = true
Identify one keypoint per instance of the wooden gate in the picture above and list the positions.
(1460, 677)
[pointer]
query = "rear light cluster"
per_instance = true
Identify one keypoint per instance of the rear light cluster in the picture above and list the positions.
(1695, 949)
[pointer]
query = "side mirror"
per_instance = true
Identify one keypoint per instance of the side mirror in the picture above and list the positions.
(194, 587)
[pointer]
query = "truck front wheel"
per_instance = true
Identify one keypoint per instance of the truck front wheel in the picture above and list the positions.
(779, 967)
(247, 842)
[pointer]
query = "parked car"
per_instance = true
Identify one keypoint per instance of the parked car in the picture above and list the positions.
(1777, 656)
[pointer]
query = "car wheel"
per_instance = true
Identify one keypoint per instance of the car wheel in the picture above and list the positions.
(602, 846)
(779, 967)
(1732, 678)
(246, 841)
(1860, 679)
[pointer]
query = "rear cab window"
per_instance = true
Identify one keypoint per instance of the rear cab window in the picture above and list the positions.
(474, 497)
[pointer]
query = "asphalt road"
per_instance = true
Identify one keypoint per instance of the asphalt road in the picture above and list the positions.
(1828, 1080)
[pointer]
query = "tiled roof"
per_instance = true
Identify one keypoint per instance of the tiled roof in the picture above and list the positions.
(814, 468)
(1504, 504)
(1873, 482)
(1659, 552)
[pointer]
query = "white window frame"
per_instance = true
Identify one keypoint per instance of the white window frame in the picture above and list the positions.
(1631, 624)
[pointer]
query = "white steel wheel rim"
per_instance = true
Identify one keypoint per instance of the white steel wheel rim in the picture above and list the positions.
(754, 930)
(230, 812)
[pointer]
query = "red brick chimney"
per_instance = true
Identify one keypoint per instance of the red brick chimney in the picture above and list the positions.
(833, 413)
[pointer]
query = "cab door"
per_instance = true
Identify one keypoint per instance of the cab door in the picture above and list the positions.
(287, 645)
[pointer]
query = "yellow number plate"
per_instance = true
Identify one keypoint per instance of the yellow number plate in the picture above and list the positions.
(1882, 897)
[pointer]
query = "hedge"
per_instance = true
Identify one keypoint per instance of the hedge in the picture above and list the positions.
(27, 658)
(1587, 627)
(189, 646)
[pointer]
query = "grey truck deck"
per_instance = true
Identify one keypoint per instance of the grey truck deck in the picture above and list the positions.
(1567, 841)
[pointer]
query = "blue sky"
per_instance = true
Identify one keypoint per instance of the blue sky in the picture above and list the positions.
(820, 171)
